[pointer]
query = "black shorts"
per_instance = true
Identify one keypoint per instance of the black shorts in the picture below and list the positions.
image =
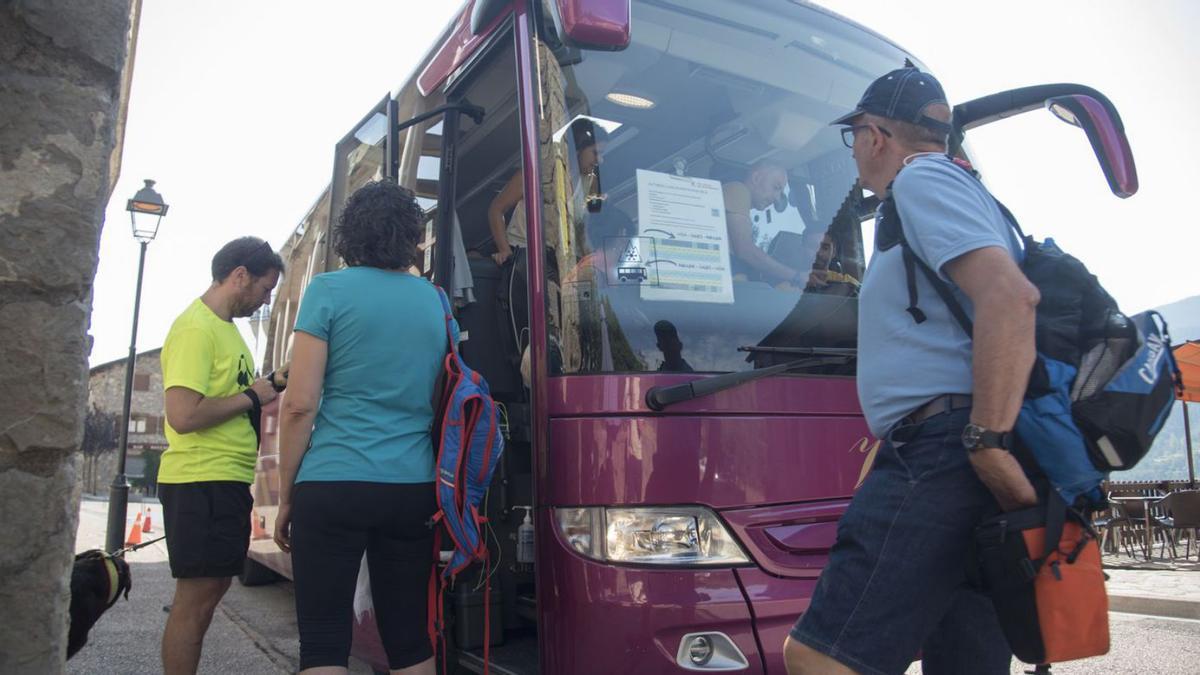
(208, 527)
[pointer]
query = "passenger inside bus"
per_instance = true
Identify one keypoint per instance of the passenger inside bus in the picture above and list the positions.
(760, 187)
(589, 140)
(827, 273)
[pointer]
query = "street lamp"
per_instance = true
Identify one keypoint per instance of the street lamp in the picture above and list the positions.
(146, 210)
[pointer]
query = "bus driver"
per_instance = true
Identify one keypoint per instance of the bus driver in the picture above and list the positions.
(762, 186)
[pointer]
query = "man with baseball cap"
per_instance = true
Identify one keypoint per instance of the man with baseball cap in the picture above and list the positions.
(942, 402)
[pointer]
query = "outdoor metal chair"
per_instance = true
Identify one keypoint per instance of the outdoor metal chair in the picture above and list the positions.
(1131, 518)
(1124, 526)
(1105, 522)
(1183, 513)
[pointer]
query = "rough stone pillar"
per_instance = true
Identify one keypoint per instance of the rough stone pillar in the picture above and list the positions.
(63, 84)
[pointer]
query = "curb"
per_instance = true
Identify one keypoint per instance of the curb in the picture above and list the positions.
(1163, 607)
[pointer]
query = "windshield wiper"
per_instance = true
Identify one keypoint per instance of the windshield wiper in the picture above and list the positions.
(811, 351)
(658, 398)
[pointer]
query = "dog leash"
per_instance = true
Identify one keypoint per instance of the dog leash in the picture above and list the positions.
(144, 544)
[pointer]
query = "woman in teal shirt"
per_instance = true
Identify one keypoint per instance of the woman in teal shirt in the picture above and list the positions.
(356, 457)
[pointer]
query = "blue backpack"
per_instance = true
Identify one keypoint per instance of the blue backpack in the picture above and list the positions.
(1103, 383)
(469, 444)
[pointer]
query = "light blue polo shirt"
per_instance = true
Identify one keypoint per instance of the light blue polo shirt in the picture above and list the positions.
(902, 364)
(386, 336)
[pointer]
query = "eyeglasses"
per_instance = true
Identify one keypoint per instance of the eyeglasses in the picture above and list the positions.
(848, 133)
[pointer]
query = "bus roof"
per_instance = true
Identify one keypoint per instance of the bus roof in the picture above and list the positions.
(850, 22)
(457, 43)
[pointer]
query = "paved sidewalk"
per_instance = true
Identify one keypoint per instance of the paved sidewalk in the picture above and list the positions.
(1158, 587)
(126, 639)
(253, 630)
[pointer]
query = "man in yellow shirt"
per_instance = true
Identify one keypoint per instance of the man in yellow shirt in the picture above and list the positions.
(206, 472)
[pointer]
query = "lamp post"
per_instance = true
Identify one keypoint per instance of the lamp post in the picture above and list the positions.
(146, 210)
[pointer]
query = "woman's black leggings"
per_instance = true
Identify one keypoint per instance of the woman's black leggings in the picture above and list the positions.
(333, 523)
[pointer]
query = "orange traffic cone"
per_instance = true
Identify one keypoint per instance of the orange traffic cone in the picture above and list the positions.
(257, 531)
(146, 523)
(135, 532)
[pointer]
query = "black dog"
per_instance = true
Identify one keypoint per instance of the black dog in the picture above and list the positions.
(97, 581)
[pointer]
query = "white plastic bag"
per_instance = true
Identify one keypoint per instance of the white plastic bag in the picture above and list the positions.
(362, 592)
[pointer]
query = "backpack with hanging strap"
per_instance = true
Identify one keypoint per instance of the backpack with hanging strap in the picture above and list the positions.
(467, 432)
(1103, 383)
(1101, 388)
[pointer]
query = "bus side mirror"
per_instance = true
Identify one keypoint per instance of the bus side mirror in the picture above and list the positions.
(593, 24)
(1107, 136)
(484, 12)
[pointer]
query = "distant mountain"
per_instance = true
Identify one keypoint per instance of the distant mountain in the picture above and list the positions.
(1168, 457)
(1183, 319)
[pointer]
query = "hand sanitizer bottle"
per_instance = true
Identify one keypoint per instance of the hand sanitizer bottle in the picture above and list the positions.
(525, 538)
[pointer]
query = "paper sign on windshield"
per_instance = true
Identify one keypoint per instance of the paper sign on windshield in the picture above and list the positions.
(685, 218)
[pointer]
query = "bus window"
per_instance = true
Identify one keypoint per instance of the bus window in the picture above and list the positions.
(358, 159)
(719, 213)
(419, 171)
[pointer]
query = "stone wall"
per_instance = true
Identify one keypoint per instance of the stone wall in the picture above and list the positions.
(63, 74)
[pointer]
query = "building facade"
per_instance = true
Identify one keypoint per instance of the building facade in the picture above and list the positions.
(147, 423)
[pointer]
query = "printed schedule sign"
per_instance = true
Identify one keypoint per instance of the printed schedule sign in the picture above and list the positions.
(684, 217)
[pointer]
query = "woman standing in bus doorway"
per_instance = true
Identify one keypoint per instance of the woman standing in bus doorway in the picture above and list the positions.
(356, 457)
(588, 139)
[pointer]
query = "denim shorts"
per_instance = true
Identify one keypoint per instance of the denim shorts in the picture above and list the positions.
(896, 583)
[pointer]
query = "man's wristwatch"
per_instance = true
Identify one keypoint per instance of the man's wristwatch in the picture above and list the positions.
(976, 437)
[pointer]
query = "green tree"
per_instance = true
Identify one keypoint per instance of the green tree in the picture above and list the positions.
(99, 436)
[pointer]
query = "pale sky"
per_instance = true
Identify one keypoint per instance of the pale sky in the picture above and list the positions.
(237, 104)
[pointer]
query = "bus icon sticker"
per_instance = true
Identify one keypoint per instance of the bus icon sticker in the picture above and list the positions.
(631, 267)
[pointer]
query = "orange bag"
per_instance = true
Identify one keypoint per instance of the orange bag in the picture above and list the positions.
(1050, 599)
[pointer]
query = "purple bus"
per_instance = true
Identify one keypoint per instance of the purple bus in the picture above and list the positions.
(686, 431)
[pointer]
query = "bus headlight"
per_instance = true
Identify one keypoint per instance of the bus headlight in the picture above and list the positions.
(676, 535)
(581, 529)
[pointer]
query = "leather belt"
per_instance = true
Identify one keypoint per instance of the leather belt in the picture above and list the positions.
(942, 404)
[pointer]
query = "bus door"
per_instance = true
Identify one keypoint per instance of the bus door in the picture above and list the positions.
(492, 308)
(458, 148)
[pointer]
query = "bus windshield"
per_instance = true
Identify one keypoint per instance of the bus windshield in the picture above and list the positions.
(699, 214)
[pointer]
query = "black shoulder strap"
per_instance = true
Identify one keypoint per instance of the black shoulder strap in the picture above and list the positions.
(1056, 521)
(910, 277)
(912, 262)
(1012, 220)
(255, 415)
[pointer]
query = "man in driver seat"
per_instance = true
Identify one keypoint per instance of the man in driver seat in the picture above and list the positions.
(761, 187)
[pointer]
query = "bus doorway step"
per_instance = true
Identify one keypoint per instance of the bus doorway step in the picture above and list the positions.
(517, 656)
(527, 607)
